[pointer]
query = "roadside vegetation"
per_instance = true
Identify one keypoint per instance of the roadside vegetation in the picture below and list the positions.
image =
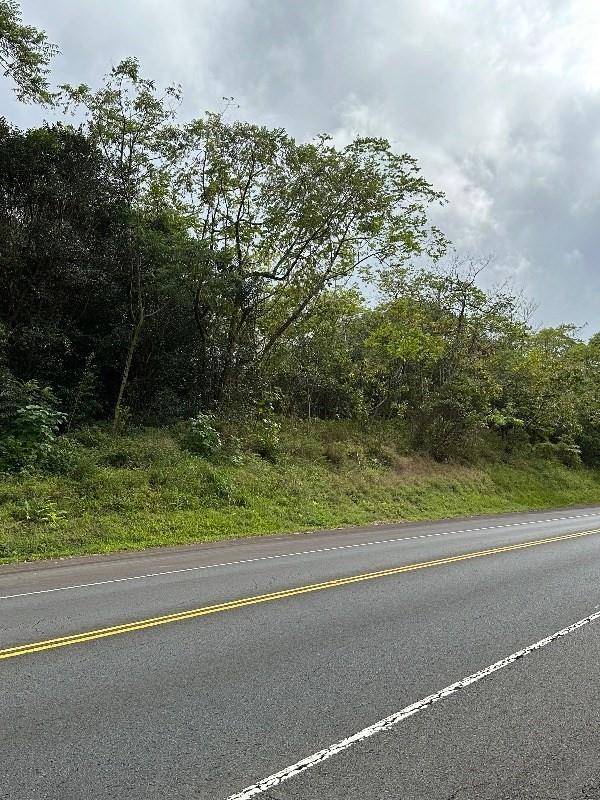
(210, 329)
(146, 488)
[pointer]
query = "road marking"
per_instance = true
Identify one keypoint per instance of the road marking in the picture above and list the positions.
(394, 719)
(230, 605)
(289, 555)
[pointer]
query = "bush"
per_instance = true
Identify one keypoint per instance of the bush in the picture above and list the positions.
(64, 457)
(219, 488)
(201, 436)
(392, 458)
(95, 436)
(118, 457)
(335, 453)
(567, 453)
(266, 441)
(30, 421)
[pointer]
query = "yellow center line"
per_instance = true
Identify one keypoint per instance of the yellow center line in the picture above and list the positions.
(151, 622)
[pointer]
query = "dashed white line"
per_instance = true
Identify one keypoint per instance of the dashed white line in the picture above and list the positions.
(394, 719)
(288, 555)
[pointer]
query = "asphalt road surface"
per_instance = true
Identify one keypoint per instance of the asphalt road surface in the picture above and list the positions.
(428, 661)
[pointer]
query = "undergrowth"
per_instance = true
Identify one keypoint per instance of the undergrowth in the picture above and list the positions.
(150, 488)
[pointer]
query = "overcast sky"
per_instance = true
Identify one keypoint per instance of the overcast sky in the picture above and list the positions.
(498, 99)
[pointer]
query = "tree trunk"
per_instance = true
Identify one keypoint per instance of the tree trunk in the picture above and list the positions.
(125, 376)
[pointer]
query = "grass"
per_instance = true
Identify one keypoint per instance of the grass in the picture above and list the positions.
(144, 490)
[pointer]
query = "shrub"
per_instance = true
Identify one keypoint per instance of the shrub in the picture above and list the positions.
(117, 457)
(92, 436)
(335, 453)
(30, 421)
(201, 436)
(232, 448)
(567, 453)
(123, 420)
(64, 457)
(266, 441)
(301, 440)
(218, 487)
(392, 458)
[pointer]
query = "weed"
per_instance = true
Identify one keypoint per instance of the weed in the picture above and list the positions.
(43, 511)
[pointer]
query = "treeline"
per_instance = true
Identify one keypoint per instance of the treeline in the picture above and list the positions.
(152, 270)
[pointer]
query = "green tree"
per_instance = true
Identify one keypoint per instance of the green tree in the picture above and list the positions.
(435, 345)
(61, 290)
(25, 53)
(316, 366)
(589, 406)
(281, 222)
(547, 385)
(133, 126)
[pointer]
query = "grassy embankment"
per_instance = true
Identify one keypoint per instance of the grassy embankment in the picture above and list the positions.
(143, 490)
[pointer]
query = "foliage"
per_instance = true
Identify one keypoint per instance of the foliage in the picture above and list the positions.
(315, 364)
(131, 123)
(201, 436)
(280, 223)
(151, 270)
(62, 281)
(266, 441)
(567, 454)
(44, 512)
(24, 55)
(163, 495)
(30, 422)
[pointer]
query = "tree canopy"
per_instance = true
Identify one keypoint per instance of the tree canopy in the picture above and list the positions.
(153, 269)
(25, 54)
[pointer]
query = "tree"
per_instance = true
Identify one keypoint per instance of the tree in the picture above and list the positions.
(316, 366)
(60, 262)
(132, 124)
(547, 384)
(589, 405)
(24, 55)
(281, 222)
(436, 345)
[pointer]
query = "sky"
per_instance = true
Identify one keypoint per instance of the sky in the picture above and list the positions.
(499, 100)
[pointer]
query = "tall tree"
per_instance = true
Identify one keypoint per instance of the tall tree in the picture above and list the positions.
(281, 222)
(60, 261)
(132, 124)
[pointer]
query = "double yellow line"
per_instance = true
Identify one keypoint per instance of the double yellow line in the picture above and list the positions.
(231, 605)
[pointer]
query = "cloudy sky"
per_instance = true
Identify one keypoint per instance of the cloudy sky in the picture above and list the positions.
(498, 99)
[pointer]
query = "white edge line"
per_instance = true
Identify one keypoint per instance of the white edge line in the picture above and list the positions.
(287, 555)
(389, 722)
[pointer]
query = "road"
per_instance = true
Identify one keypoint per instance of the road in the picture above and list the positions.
(311, 667)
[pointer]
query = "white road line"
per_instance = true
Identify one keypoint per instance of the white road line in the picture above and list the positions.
(389, 722)
(288, 555)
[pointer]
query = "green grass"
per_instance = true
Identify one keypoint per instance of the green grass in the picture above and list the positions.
(143, 490)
